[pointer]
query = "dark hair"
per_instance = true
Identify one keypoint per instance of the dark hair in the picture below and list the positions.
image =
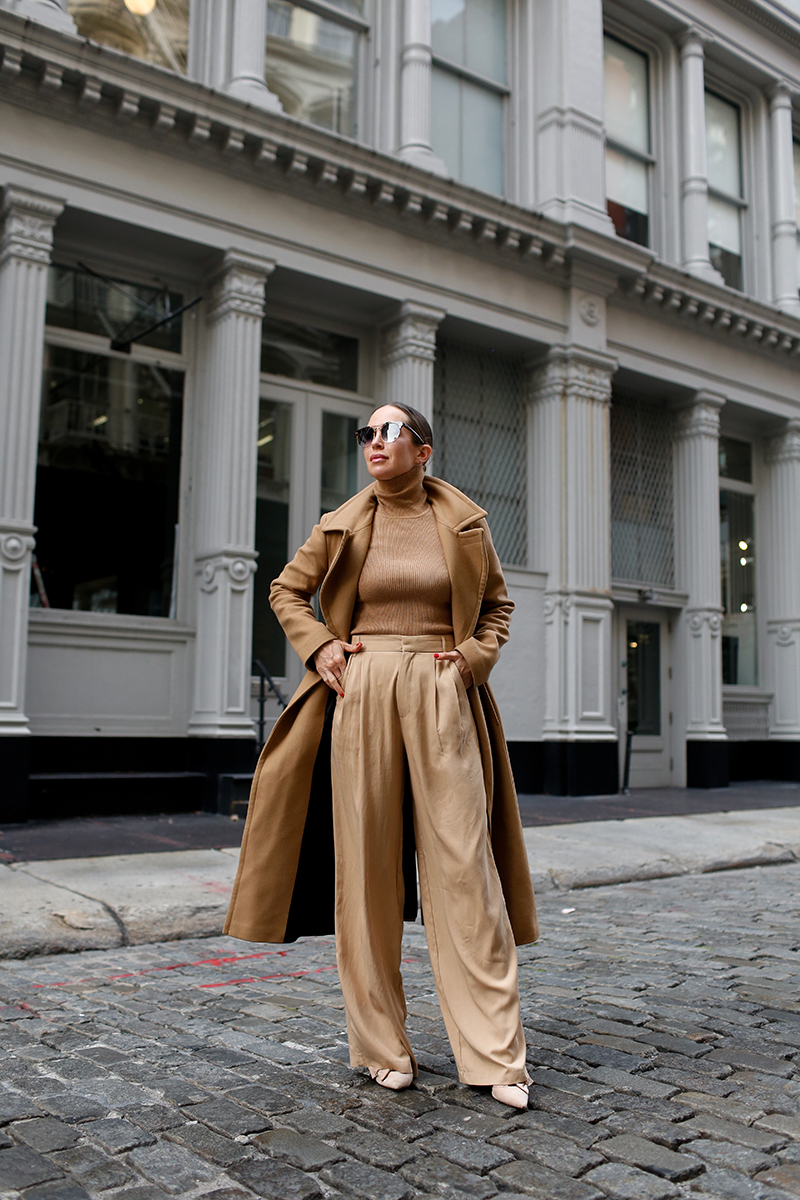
(417, 422)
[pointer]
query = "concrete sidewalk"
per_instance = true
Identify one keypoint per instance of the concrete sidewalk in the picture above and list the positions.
(100, 903)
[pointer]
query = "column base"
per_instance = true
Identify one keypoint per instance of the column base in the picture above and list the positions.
(254, 91)
(581, 768)
(14, 765)
(707, 764)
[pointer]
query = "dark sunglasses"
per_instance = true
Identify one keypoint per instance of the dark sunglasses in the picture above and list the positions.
(389, 431)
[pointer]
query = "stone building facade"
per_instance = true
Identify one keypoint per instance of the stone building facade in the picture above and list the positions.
(565, 229)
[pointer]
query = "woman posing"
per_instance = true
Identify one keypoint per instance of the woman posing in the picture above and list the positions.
(395, 706)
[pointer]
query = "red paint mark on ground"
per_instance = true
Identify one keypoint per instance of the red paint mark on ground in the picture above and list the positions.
(262, 978)
(200, 962)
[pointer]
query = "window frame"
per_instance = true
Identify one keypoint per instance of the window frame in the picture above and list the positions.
(504, 90)
(621, 147)
(716, 86)
(745, 489)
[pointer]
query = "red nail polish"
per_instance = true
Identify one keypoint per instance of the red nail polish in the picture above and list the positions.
(436, 656)
(341, 695)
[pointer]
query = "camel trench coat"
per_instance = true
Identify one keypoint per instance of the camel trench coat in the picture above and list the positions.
(284, 887)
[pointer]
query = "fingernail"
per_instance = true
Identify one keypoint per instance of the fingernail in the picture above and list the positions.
(436, 656)
(341, 695)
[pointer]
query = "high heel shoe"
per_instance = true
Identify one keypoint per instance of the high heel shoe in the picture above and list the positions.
(515, 1095)
(395, 1080)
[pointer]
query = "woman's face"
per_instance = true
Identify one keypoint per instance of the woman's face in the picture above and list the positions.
(387, 460)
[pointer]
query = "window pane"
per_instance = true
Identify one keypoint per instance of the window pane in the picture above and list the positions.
(312, 66)
(304, 352)
(642, 530)
(626, 98)
(161, 37)
(737, 555)
(724, 225)
(107, 483)
(643, 655)
(446, 120)
(723, 147)
(339, 461)
(77, 300)
(471, 33)
(482, 138)
(272, 528)
(735, 459)
(627, 181)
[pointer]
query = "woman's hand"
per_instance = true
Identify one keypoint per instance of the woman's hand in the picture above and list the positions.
(458, 658)
(330, 662)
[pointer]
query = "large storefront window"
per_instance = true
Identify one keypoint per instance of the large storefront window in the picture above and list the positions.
(469, 90)
(628, 159)
(725, 203)
(272, 528)
(312, 61)
(160, 35)
(737, 557)
(107, 484)
(642, 527)
(305, 352)
(480, 422)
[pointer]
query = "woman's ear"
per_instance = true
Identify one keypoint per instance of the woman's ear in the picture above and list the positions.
(424, 453)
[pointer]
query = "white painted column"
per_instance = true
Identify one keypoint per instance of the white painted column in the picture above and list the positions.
(415, 88)
(698, 645)
(784, 226)
(225, 496)
(27, 239)
(571, 172)
(408, 352)
(780, 595)
(227, 49)
(694, 175)
(570, 393)
(46, 12)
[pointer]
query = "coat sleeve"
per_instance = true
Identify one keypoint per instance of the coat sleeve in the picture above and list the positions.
(290, 597)
(482, 650)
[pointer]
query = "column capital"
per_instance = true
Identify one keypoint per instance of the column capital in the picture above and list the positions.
(784, 446)
(587, 371)
(779, 94)
(28, 219)
(410, 332)
(238, 285)
(698, 416)
(693, 40)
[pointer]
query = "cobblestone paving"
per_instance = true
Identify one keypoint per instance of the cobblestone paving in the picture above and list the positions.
(663, 1025)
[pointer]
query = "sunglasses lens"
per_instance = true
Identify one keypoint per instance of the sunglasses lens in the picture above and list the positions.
(390, 431)
(364, 436)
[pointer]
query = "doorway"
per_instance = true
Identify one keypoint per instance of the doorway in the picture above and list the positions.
(644, 694)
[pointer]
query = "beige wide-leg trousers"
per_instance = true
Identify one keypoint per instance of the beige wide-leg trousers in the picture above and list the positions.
(401, 704)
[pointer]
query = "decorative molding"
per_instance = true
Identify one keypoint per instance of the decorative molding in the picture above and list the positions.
(14, 549)
(571, 369)
(28, 219)
(238, 287)
(698, 418)
(784, 447)
(700, 618)
(410, 334)
(239, 568)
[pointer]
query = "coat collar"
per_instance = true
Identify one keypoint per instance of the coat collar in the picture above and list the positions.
(450, 506)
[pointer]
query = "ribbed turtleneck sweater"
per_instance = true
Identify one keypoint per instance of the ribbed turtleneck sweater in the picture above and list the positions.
(404, 585)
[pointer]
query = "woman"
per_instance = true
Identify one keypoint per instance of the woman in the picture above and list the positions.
(415, 613)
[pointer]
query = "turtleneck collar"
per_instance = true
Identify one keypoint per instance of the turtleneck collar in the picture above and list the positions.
(403, 496)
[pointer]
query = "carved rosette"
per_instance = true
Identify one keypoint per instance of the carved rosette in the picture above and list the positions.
(238, 287)
(27, 226)
(702, 618)
(15, 547)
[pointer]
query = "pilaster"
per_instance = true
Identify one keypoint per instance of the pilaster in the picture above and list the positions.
(570, 132)
(784, 228)
(570, 393)
(25, 245)
(415, 88)
(780, 595)
(227, 48)
(224, 491)
(408, 352)
(698, 646)
(694, 175)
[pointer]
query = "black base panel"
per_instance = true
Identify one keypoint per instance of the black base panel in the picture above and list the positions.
(707, 764)
(580, 768)
(527, 764)
(765, 760)
(14, 767)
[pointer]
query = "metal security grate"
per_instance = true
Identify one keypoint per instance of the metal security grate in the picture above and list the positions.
(642, 545)
(479, 417)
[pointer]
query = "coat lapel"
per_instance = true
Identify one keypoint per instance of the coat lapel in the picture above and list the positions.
(467, 563)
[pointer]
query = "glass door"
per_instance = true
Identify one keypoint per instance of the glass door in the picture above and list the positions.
(644, 695)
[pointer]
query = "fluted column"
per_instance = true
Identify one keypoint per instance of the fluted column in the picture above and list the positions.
(570, 393)
(408, 352)
(225, 497)
(227, 48)
(698, 646)
(694, 176)
(779, 596)
(26, 239)
(415, 88)
(784, 226)
(46, 12)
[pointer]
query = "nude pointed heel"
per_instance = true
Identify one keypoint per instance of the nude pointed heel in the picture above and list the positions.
(395, 1080)
(515, 1095)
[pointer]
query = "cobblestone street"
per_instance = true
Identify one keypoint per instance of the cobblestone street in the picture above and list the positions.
(663, 1026)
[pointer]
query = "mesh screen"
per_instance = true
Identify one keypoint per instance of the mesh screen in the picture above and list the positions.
(642, 549)
(480, 426)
